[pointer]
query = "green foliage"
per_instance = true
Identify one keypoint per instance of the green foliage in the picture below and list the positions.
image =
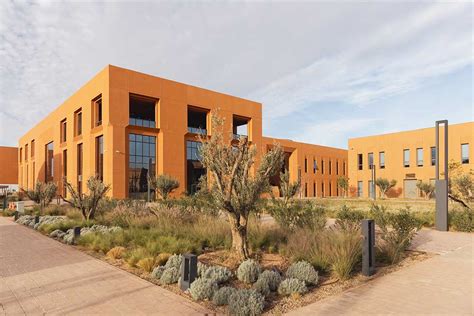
(349, 219)
(297, 214)
(397, 230)
(426, 187)
(202, 289)
(461, 185)
(344, 249)
(164, 185)
(133, 256)
(158, 272)
(385, 185)
(287, 189)
(248, 271)
(303, 271)
(273, 279)
(170, 275)
(462, 220)
(265, 237)
(87, 203)
(262, 286)
(42, 194)
(63, 225)
(292, 286)
(246, 302)
(309, 246)
(221, 296)
(343, 184)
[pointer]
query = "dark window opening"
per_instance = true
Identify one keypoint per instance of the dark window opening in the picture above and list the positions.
(330, 188)
(337, 168)
(32, 149)
(195, 170)
(314, 189)
(322, 166)
(305, 189)
(359, 161)
(26, 152)
(79, 168)
(78, 122)
(64, 172)
(275, 179)
(315, 165)
(141, 164)
(49, 159)
(142, 111)
(240, 127)
(322, 189)
(433, 156)
(63, 131)
(97, 108)
(99, 157)
(305, 165)
(197, 121)
(330, 167)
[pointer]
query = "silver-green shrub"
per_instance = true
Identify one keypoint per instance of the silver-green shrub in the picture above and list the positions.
(202, 289)
(248, 271)
(273, 279)
(201, 269)
(221, 296)
(246, 302)
(262, 286)
(174, 261)
(158, 272)
(217, 274)
(292, 286)
(169, 275)
(303, 271)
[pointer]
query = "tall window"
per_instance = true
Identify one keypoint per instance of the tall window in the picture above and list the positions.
(64, 171)
(305, 189)
(194, 168)
(21, 154)
(97, 111)
(314, 189)
(330, 167)
(370, 160)
(344, 168)
(322, 189)
(359, 161)
(141, 163)
(305, 165)
(32, 149)
(464, 153)
(433, 156)
(419, 157)
(49, 161)
(330, 188)
(63, 131)
(322, 166)
(78, 122)
(26, 152)
(382, 160)
(337, 168)
(371, 189)
(99, 157)
(359, 188)
(315, 165)
(79, 168)
(406, 157)
(33, 174)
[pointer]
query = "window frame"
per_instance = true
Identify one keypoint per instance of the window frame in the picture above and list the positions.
(419, 162)
(465, 160)
(406, 163)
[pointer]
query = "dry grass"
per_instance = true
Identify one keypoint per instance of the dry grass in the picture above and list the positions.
(116, 252)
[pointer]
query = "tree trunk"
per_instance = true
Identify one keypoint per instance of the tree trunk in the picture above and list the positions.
(238, 227)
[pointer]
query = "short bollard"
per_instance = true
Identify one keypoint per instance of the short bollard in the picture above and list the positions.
(16, 215)
(37, 219)
(368, 247)
(188, 271)
(76, 233)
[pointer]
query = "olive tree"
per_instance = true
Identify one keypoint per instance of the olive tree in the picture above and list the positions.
(42, 194)
(236, 184)
(288, 189)
(87, 203)
(164, 185)
(343, 184)
(384, 185)
(427, 188)
(461, 185)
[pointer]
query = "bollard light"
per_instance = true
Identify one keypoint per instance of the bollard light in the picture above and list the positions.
(368, 247)
(76, 233)
(37, 219)
(16, 215)
(188, 271)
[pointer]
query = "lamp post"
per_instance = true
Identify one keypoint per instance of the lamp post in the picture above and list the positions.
(441, 185)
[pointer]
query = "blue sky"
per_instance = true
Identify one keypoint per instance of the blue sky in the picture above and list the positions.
(324, 71)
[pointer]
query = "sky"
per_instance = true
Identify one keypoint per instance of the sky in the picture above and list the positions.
(324, 71)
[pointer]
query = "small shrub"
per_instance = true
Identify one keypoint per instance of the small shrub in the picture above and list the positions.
(217, 274)
(295, 214)
(147, 264)
(262, 286)
(310, 246)
(462, 220)
(303, 271)
(349, 219)
(136, 255)
(248, 271)
(344, 248)
(246, 302)
(116, 252)
(174, 262)
(273, 279)
(164, 185)
(170, 275)
(158, 272)
(221, 296)
(292, 286)
(202, 289)
(201, 269)
(162, 258)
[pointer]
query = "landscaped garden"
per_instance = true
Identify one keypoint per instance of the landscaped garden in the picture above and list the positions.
(308, 250)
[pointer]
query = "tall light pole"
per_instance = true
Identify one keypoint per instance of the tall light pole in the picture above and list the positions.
(441, 185)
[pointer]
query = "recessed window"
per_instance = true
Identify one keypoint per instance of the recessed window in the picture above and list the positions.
(240, 127)
(305, 189)
(433, 156)
(78, 122)
(419, 157)
(330, 188)
(197, 120)
(141, 163)
(194, 168)
(337, 168)
(315, 165)
(344, 168)
(26, 152)
(464, 153)
(406, 158)
(330, 167)
(359, 188)
(305, 165)
(97, 111)
(63, 133)
(32, 149)
(360, 165)
(142, 111)
(314, 189)
(382, 160)
(21, 154)
(99, 157)
(322, 189)
(322, 166)
(370, 160)
(64, 171)
(49, 160)
(79, 168)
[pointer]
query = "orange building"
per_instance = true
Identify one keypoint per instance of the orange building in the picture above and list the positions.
(123, 124)
(9, 166)
(407, 157)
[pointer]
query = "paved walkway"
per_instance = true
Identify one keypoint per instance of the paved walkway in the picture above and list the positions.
(39, 275)
(442, 285)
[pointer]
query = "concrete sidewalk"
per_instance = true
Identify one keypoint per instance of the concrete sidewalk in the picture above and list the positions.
(442, 285)
(39, 275)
